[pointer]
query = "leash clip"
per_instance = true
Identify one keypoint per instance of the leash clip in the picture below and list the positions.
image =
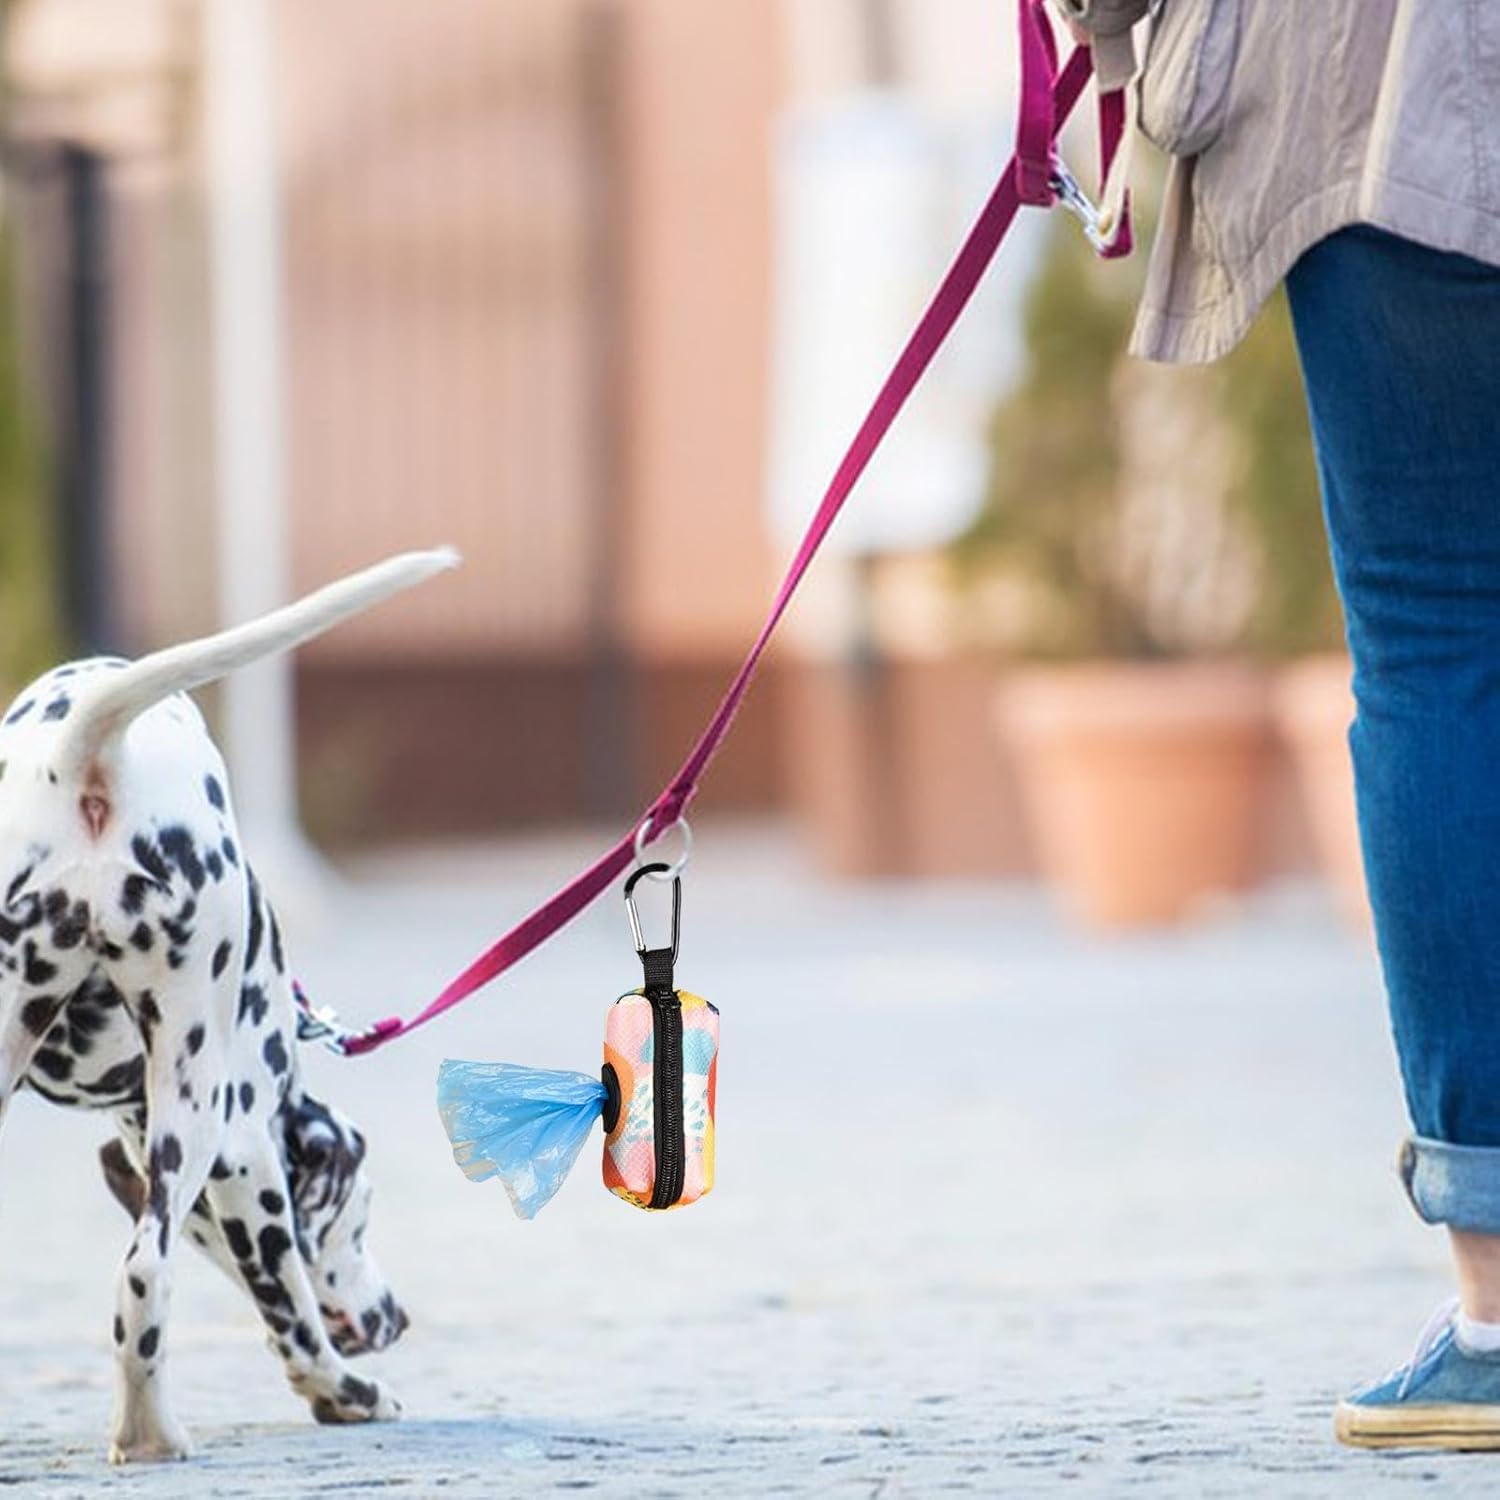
(320, 1023)
(1078, 203)
(657, 872)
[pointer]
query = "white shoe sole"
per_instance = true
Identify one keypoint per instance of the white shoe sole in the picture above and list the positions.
(1462, 1426)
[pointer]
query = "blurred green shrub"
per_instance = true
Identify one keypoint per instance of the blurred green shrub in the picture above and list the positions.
(1143, 511)
(28, 621)
(1275, 487)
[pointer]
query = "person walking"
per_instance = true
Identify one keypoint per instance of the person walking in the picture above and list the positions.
(1352, 149)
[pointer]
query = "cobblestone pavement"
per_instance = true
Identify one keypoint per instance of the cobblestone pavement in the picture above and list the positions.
(1001, 1211)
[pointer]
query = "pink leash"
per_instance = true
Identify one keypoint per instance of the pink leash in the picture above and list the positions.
(1047, 99)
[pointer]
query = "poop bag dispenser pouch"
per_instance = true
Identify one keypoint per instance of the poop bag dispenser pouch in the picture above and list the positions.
(655, 1096)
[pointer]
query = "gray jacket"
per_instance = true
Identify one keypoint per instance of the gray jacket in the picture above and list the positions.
(1289, 119)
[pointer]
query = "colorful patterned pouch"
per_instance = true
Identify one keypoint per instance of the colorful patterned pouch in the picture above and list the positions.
(661, 1058)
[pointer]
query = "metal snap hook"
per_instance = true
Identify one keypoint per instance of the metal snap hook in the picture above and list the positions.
(1078, 203)
(657, 871)
(669, 871)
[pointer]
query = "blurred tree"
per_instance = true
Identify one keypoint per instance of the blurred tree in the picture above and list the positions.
(1275, 487)
(1139, 511)
(28, 623)
(1032, 553)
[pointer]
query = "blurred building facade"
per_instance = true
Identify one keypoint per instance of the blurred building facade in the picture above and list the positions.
(524, 298)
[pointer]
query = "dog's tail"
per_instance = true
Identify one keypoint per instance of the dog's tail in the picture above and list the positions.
(106, 708)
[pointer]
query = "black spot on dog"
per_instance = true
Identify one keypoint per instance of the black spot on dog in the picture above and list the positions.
(274, 1242)
(38, 970)
(166, 1155)
(58, 1066)
(148, 1016)
(274, 1053)
(36, 1015)
(133, 901)
(179, 931)
(120, 1328)
(148, 857)
(278, 959)
(359, 1392)
(195, 1040)
(15, 887)
(369, 1320)
(247, 1097)
(257, 925)
(141, 938)
(214, 792)
(213, 862)
(305, 1340)
(237, 1237)
(57, 709)
(138, 1287)
(228, 1103)
(253, 1004)
(20, 711)
(220, 1169)
(270, 1294)
(149, 1340)
(230, 852)
(272, 1201)
(221, 957)
(178, 846)
(69, 920)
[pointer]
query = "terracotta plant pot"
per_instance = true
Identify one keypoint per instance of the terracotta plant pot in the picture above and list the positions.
(1313, 706)
(896, 774)
(1142, 782)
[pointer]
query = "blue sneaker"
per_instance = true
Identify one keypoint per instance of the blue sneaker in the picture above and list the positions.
(1444, 1396)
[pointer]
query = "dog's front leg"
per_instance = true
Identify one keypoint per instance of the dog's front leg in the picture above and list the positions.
(250, 1201)
(186, 1078)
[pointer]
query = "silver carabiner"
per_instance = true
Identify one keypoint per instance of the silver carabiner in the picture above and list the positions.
(1078, 203)
(660, 872)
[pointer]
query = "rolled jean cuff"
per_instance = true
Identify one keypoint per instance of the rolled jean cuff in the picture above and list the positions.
(1454, 1185)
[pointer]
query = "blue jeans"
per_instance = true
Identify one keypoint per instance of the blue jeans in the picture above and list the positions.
(1400, 350)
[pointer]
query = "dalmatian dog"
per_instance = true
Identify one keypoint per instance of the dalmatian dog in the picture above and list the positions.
(142, 971)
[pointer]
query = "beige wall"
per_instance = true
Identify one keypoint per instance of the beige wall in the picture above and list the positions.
(438, 313)
(701, 82)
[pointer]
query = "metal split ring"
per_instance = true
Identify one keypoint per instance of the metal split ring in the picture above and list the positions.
(668, 871)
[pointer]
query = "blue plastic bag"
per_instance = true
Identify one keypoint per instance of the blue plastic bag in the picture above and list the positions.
(523, 1125)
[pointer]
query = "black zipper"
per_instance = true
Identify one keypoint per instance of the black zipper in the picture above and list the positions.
(666, 1084)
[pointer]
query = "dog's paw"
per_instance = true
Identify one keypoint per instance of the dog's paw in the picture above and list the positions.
(160, 1446)
(356, 1400)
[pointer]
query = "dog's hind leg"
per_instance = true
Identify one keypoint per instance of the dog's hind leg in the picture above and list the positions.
(253, 1209)
(43, 960)
(186, 1081)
